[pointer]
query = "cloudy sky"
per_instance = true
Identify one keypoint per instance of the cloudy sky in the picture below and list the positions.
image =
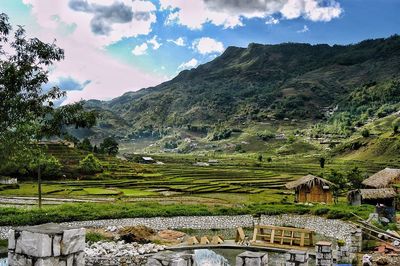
(114, 46)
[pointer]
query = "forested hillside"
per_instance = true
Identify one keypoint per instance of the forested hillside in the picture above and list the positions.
(262, 83)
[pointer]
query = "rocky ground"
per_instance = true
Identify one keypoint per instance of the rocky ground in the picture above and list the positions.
(117, 253)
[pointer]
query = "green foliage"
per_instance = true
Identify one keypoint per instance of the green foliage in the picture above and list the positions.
(90, 165)
(355, 178)
(94, 211)
(109, 146)
(85, 145)
(50, 166)
(339, 180)
(266, 135)
(365, 133)
(395, 128)
(322, 162)
(221, 133)
(93, 237)
(260, 158)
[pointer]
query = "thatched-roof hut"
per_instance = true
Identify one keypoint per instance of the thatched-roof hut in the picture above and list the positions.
(311, 188)
(383, 198)
(373, 196)
(383, 179)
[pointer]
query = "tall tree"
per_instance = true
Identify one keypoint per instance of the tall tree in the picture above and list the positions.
(27, 112)
(109, 146)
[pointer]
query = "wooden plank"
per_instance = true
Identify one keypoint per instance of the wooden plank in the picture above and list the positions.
(282, 236)
(291, 239)
(284, 228)
(255, 233)
(272, 236)
(302, 240)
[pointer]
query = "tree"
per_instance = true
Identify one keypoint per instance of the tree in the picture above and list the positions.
(260, 157)
(27, 112)
(90, 165)
(322, 162)
(109, 146)
(355, 178)
(340, 182)
(50, 166)
(85, 145)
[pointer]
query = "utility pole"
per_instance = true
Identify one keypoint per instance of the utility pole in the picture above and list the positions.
(39, 186)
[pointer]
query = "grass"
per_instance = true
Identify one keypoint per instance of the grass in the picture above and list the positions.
(95, 211)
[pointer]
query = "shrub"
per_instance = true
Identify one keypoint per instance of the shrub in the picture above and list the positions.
(90, 165)
(50, 166)
(93, 237)
(365, 133)
(266, 135)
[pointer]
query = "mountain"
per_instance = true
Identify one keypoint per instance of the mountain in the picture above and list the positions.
(290, 81)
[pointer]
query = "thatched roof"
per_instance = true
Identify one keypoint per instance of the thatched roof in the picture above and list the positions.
(383, 178)
(375, 193)
(308, 181)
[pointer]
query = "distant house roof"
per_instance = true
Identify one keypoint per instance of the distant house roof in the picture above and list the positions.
(147, 158)
(382, 178)
(309, 181)
(375, 193)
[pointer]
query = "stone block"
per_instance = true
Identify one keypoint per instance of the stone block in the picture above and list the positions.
(11, 239)
(73, 241)
(239, 261)
(69, 260)
(79, 259)
(179, 262)
(153, 262)
(57, 245)
(33, 244)
(51, 261)
(290, 263)
(19, 260)
(252, 261)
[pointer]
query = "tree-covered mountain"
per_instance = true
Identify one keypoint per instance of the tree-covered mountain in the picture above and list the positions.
(262, 82)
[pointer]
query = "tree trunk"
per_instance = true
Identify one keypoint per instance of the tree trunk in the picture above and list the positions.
(40, 187)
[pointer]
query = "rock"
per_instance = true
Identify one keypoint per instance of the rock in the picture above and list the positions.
(34, 244)
(73, 241)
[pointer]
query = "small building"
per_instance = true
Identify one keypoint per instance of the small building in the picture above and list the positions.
(384, 199)
(373, 196)
(383, 179)
(147, 160)
(8, 181)
(312, 188)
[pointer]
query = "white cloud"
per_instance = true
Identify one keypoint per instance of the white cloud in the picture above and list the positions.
(140, 49)
(189, 64)
(304, 29)
(207, 45)
(180, 41)
(85, 56)
(229, 14)
(153, 41)
(139, 17)
(272, 21)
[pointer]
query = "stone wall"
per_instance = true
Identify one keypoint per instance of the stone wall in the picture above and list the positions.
(48, 244)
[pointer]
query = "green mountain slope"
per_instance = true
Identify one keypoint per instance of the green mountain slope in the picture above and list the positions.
(260, 83)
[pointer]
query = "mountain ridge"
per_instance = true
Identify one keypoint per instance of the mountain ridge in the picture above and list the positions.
(284, 81)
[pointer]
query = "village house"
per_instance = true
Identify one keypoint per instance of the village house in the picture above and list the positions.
(384, 200)
(311, 188)
(385, 178)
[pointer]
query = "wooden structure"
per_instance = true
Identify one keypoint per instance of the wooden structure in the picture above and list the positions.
(217, 240)
(383, 179)
(192, 241)
(204, 240)
(374, 196)
(282, 237)
(311, 188)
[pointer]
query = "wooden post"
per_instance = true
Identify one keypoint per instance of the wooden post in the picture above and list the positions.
(39, 185)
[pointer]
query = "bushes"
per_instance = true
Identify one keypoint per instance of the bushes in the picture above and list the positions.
(94, 211)
(90, 165)
(50, 166)
(265, 135)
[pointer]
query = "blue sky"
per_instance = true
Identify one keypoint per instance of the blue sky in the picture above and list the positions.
(114, 46)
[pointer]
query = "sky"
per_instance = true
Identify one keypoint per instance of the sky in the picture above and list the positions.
(115, 46)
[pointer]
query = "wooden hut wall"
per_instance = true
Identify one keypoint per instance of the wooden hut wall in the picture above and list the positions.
(314, 194)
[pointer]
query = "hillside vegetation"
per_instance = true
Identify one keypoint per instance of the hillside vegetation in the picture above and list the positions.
(260, 83)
